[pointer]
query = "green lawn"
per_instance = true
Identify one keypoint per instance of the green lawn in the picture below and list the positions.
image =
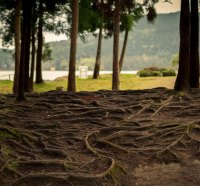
(104, 82)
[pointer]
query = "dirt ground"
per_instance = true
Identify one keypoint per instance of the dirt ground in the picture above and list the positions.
(105, 138)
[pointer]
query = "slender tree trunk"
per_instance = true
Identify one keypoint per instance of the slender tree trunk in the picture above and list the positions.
(98, 55)
(27, 53)
(39, 48)
(73, 47)
(26, 7)
(182, 80)
(17, 44)
(121, 61)
(194, 45)
(32, 58)
(115, 76)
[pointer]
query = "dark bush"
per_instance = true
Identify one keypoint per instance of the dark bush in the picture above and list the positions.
(154, 71)
(144, 73)
(169, 73)
(162, 69)
(148, 73)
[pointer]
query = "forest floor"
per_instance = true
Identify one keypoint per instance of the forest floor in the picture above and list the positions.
(106, 138)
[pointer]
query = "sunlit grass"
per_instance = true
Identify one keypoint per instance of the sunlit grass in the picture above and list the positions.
(128, 82)
(6, 86)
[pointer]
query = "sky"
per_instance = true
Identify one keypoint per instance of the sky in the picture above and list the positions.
(163, 7)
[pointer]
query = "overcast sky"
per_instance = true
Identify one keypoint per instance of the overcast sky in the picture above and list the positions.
(163, 7)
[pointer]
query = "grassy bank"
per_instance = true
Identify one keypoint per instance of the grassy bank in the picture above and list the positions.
(104, 82)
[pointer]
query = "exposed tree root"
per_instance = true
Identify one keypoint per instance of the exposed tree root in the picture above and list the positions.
(95, 138)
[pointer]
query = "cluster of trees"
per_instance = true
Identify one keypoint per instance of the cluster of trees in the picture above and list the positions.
(24, 22)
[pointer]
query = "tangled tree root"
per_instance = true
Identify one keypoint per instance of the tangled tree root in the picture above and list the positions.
(95, 137)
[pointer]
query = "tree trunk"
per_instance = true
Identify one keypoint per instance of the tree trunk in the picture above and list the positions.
(73, 47)
(115, 76)
(26, 7)
(17, 44)
(27, 53)
(121, 61)
(39, 48)
(98, 56)
(182, 80)
(194, 45)
(32, 55)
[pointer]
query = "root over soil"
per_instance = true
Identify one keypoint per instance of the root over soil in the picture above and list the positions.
(100, 138)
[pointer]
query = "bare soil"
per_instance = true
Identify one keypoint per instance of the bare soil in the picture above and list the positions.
(105, 138)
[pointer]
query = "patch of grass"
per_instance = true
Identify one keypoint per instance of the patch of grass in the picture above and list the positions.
(127, 82)
(6, 86)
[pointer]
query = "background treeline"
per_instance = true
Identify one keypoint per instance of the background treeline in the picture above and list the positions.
(148, 45)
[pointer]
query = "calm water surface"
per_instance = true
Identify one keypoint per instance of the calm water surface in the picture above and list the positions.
(52, 75)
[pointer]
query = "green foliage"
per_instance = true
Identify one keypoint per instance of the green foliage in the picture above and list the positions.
(47, 52)
(148, 73)
(88, 18)
(175, 60)
(169, 72)
(155, 71)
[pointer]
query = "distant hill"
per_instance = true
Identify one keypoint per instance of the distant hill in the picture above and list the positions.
(148, 45)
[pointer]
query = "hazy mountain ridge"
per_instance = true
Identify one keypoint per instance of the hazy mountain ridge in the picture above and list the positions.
(148, 45)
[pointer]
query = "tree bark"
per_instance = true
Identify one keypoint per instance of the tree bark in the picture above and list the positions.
(98, 55)
(17, 44)
(73, 47)
(39, 78)
(194, 45)
(115, 76)
(27, 53)
(121, 61)
(26, 7)
(182, 80)
(33, 54)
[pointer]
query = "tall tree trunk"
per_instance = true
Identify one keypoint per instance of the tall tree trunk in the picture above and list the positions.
(73, 47)
(27, 53)
(121, 61)
(17, 44)
(194, 45)
(26, 7)
(32, 56)
(115, 76)
(39, 48)
(98, 55)
(182, 80)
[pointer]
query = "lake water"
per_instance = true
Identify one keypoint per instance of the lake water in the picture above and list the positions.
(52, 75)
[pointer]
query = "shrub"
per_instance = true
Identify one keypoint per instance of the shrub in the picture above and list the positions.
(144, 73)
(162, 70)
(169, 72)
(156, 73)
(148, 73)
